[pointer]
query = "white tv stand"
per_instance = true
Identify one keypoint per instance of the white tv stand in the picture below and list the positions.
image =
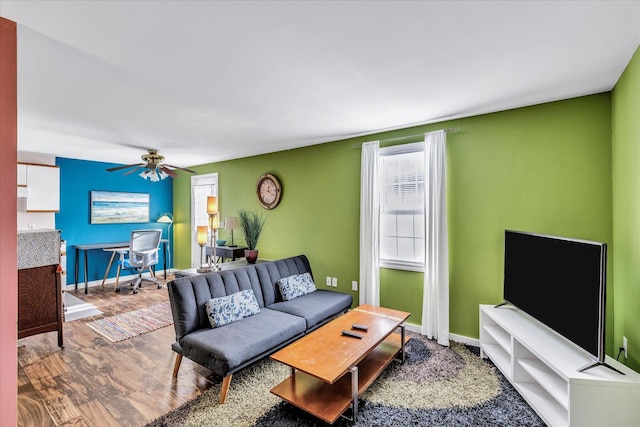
(543, 367)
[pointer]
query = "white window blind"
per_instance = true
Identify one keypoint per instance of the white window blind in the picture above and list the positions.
(402, 207)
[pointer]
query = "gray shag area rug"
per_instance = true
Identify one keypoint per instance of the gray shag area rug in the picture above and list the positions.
(436, 386)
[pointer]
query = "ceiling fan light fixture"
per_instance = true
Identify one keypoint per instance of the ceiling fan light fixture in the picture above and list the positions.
(153, 168)
(153, 175)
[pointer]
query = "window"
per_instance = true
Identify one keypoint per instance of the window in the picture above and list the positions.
(402, 219)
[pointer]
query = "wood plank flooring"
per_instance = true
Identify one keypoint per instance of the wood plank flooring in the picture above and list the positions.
(94, 382)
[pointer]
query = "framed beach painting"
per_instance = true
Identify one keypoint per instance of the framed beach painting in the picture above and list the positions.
(117, 207)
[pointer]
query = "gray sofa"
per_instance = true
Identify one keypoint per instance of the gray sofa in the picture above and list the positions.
(227, 349)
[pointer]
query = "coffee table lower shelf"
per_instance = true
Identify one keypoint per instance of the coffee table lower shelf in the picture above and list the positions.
(329, 401)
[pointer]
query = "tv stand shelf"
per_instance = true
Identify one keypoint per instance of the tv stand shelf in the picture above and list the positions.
(543, 367)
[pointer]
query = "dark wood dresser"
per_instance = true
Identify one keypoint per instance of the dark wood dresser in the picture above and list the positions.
(40, 298)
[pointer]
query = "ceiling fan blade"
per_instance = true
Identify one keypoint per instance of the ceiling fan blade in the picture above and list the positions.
(168, 171)
(153, 163)
(117, 168)
(182, 169)
(133, 170)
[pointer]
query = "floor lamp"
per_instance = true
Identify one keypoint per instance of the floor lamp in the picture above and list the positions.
(214, 224)
(201, 236)
(167, 218)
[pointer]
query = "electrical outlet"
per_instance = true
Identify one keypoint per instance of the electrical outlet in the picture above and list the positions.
(624, 346)
(354, 285)
(334, 281)
(328, 281)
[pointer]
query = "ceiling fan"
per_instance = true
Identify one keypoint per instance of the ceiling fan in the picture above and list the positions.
(153, 167)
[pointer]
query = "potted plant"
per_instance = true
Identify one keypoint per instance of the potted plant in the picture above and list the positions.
(251, 224)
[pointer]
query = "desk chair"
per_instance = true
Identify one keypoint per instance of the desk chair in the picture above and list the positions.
(143, 254)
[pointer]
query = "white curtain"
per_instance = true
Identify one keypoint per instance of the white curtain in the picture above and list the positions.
(369, 225)
(435, 305)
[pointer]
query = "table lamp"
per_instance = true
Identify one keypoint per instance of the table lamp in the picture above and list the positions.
(231, 223)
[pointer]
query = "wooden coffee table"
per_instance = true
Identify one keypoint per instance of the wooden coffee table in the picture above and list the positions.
(320, 361)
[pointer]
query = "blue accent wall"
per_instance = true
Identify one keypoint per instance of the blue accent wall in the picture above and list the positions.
(77, 179)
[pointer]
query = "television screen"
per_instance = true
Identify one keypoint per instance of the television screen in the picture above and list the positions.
(561, 282)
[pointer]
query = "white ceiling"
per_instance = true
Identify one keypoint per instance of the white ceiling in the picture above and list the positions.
(204, 81)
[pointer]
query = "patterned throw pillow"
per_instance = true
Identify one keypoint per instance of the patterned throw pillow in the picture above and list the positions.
(295, 286)
(232, 308)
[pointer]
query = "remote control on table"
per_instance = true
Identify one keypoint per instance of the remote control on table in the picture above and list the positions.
(352, 334)
(359, 326)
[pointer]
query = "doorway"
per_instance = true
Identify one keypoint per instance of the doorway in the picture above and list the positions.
(202, 186)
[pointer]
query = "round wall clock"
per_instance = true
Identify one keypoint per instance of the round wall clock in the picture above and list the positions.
(269, 191)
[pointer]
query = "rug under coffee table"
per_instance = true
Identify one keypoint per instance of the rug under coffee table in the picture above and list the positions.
(320, 361)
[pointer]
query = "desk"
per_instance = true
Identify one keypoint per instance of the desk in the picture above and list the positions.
(223, 252)
(111, 245)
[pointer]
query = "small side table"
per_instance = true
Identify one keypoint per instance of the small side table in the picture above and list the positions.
(223, 252)
(223, 267)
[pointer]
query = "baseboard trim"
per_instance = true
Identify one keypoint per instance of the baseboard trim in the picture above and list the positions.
(452, 337)
(465, 340)
(111, 280)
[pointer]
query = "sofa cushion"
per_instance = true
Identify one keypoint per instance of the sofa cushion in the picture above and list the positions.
(270, 272)
(315, 307)
(225, 348)
(295, 286)
(231, 308)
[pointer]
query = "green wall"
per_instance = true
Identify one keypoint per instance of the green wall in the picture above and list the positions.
(626, 208)
(318, 215)
(545, 168)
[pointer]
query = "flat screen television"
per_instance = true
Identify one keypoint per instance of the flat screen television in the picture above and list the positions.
(562, 283)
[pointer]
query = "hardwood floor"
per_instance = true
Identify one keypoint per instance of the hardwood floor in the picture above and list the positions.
(94, 382)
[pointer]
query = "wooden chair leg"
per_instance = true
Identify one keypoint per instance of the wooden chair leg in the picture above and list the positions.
(176, 365)
(226, 382)
(115, 285)
(106, 273)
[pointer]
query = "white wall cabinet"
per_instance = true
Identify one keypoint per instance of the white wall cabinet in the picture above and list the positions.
(22, 181)
(22, 175)
(543, 367)
(43, 184)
